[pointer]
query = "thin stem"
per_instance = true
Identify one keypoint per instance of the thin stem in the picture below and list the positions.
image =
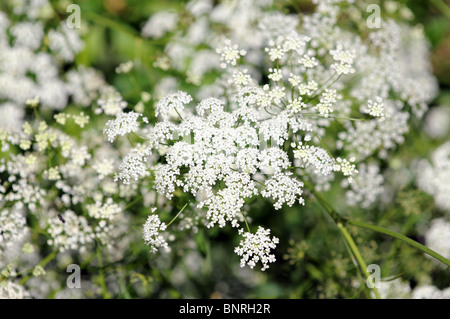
(338, 218)
(177, 215)
(442, 7)
(43, 263)
(101, 273)
(246, 223)
(181, 118)
(36, 114)
(134, 202)
(354, 249)
(407, 240)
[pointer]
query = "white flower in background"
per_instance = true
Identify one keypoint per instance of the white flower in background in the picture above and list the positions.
(433, 177)
(366, 187)
(437, 122)
(344, 60)
(375, 108)
(430, 292)
(70, 232)
(105, 210)
(394, 289)
(124, 123)
(172, 103)
(153, 228)
(159, 24)
(437, 237)
(65, 42)
(256, 248)
(125, 67)
(28, 34)
(12, 290)
(104, 167)
(230, 53)
(12, 227)
(111, 102)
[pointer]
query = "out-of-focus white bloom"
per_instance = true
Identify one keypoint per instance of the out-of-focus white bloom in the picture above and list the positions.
(12, 227)
(28, 34)
(316, 157)
(133, 166)
(375, 108)
(438, 237)
(433, 178)
(366, 187)
(12, 290)
(12, 117)
(125, 67)
(104, 167)
(256, 248)
(394, 289)
(111, 103)
(437, 122)
(430, 292)
(159, 24)
(71, 233)
(104, 211)
(344, 61)
(65, 42)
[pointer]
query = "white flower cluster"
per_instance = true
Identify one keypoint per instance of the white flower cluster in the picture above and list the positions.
(153, 228)
(124, 123)
(12, 227)
(230, 54)
(256, 248)
(69, 232)
(245, 138)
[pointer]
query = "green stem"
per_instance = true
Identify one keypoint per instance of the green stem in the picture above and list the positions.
(354, 249)
(102, 274)
(110, 23)
(407, 240)
(181, 118)
(134, 202)
(442, 7)
(340, 222)
(338, 218)
(43, 263)
(246, 223)
(177, 215)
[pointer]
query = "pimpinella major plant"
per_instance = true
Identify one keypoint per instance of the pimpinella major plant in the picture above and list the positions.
(255, 103)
